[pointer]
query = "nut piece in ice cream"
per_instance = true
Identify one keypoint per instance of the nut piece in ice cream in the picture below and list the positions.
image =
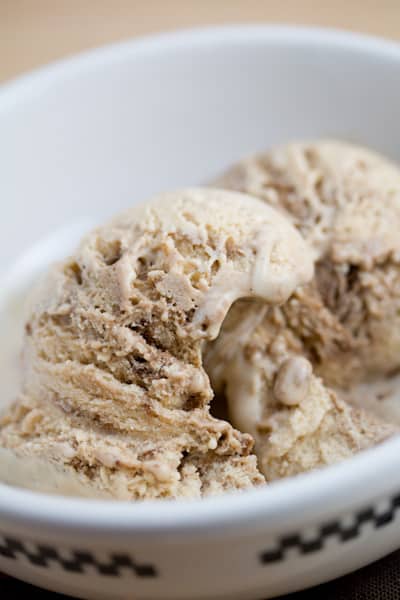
(115, 400)
(292, 382)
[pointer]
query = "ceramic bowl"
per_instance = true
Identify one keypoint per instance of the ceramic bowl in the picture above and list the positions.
(88, 136)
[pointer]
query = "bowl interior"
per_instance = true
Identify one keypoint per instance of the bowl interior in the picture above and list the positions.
(88, 137)
(93, 135)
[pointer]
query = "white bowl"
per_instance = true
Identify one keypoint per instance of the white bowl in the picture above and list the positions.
(91, 135)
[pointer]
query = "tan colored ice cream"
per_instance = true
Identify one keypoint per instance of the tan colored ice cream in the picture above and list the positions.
(297, 422)
(115, 400)
(345, 200)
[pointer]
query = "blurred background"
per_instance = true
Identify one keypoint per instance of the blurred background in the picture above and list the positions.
(35, 32)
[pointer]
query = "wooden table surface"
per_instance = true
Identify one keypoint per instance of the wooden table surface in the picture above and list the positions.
(34, 32)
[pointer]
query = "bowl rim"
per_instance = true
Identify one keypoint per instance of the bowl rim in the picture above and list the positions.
(300, 499)
(291, 35)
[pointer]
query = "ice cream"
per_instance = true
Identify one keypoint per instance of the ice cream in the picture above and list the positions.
(115, 400)
(298, 423)
(340, 331)
(345, 201)
(283, 300)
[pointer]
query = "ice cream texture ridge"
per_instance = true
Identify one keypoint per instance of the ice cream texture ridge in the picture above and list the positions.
(275, 292)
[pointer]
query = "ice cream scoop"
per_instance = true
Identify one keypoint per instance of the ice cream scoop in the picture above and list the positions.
(345, 201)
(343, 326)
(114, 392)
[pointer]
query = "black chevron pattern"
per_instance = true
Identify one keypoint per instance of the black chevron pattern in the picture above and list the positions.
(342, 532)
(43, 556)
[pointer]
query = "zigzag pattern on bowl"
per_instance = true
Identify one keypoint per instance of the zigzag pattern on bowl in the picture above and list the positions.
(43, 556)
(342, 532)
